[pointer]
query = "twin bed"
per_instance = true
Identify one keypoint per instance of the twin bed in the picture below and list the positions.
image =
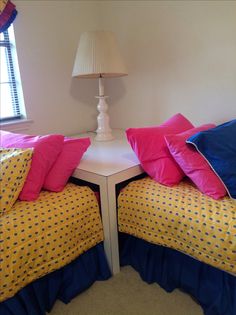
(51, 248)
(180, 238)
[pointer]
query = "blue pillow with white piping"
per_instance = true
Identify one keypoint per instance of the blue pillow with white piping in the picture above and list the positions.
(218, 147)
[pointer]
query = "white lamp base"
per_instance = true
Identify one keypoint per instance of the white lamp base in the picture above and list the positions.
(103, 131)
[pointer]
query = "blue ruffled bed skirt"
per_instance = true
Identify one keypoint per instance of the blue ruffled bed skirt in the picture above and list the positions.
(214, 290)
(63, 284)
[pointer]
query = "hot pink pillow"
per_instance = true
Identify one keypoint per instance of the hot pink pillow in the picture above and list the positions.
(67, 161)
(193, 164)
(150, 147)
(46, 150)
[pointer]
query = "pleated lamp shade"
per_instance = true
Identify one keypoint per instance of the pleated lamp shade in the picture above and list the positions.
(98, 56)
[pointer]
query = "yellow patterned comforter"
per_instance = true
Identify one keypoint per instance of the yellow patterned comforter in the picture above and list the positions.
(181, 218)
(41, 236)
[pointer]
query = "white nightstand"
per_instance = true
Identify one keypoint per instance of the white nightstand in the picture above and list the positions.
(106, 164)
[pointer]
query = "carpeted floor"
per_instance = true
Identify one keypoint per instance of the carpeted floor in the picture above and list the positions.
(127, 294)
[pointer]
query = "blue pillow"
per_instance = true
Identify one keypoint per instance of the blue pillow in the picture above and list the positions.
(218, 147)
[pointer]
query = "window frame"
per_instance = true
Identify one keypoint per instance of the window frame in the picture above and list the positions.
(11, 67)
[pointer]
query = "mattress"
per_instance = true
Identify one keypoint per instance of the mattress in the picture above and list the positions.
(41, 236)
(181, 217)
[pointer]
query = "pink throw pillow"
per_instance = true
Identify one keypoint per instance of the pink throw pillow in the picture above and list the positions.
(46, 150)
(193, 164)
(150, 147)
(67, 161)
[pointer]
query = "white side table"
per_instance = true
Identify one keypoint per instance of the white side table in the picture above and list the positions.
(107, 163)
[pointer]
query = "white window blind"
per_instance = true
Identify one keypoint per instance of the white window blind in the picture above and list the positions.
(10, 85)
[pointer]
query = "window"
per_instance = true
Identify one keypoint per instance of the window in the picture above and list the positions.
(11, 97)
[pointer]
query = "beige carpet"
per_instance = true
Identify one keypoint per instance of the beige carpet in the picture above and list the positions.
(127, 294)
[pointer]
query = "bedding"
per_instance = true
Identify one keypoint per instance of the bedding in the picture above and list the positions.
(182, 218)
(41, 236)
(149, 145)
(193, 164)
(46, 151)
(218, 147)
(212, 288)
(64, 284)
(68, 160)
(14, 165)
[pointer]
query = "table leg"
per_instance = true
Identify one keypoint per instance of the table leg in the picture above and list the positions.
(109, 219)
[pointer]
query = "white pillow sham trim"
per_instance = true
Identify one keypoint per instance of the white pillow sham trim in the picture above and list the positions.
(190, 142)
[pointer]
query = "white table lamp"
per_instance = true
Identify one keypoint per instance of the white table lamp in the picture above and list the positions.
(98, 57)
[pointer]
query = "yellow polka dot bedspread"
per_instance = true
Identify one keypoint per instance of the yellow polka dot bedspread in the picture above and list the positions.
(38, 237)
(182, 218)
